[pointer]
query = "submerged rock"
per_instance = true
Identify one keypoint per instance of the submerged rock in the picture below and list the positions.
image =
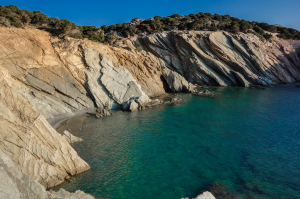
(205, 93)
(101, 112)
(204, 195)
(71, 138)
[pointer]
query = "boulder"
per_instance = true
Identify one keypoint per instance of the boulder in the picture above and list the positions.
(133, 106)
(142, 100)
(155, 102)
(204, 195)
(71, 138)
(175, 81)
(101, 112)
(63, 194)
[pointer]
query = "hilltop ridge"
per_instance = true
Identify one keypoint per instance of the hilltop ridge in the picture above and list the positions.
(13, 16)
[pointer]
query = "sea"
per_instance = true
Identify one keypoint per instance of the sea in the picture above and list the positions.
(243, 143)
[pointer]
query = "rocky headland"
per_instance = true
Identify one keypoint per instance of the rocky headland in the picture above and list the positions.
(43, 77)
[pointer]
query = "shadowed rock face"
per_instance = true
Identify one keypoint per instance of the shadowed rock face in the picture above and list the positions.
(225, 59)
(29, 140)
(60, 77)
(42, 77)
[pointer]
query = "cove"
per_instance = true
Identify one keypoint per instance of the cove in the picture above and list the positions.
(246, 139)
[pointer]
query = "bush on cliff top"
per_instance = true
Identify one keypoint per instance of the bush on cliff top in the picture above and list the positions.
(107, 34)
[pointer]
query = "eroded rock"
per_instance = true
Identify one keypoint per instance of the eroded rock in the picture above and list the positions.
(70, 138)
(29, 140)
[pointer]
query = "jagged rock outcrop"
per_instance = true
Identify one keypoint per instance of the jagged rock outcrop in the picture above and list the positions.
(225, 59)
(29, 140)
(39, 75)
(113, 75)
(59, 77)
(71, 138)
(43, 77)
(17, 185)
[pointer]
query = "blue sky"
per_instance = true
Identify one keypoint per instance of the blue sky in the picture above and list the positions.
(98, 13)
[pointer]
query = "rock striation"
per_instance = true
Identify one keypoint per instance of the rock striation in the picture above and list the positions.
(70, 138)
(17, 185)
(29, 140)
(225, 59)
(60, 77)
(43, 77)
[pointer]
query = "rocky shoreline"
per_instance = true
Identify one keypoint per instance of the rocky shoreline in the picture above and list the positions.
(46, 80)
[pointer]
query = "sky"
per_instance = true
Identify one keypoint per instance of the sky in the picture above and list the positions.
(99, 12)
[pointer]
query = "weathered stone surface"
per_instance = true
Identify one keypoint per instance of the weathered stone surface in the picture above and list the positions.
(175, 81)
(155, 102)
(63, 194)
(143, 100)
(16, 185)
(204, 195)
(225, 59)
(108, 82)
(32, 144)
(70, 138)
(133, 105)
(101, 112)
(30, 58)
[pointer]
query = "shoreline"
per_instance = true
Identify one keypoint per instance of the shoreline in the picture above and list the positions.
(59, 119)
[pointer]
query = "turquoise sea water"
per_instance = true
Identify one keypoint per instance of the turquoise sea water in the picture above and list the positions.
(246, 139)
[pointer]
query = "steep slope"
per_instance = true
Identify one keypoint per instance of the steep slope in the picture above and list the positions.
(32, 144)
(225, 59)
(43, 77)
(17, 185)
(63, 76)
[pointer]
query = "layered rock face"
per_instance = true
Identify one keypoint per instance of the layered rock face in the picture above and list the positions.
(60, 77)
(43, 77)
(39, 74)
(29, 140)
(225, 59)
(17, 185)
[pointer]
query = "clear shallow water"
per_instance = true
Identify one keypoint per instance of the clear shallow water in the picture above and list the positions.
(246, 139)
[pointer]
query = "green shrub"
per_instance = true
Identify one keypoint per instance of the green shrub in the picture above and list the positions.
(139, 49)
(259, 30)
(259, 36)
(200, 21)
(199, 36)
(267, 36)
(17, 24)
(127, 48)
(76, 36)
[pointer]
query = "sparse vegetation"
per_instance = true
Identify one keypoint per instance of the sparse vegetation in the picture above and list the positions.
(139, 49)
(127, 48)
(13, 16)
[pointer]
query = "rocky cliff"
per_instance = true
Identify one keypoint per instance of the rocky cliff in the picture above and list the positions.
(63, 76)
(43, 77)
(29, 140)
(17, 185)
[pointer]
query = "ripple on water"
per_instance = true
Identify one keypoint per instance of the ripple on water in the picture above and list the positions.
(243, 143)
